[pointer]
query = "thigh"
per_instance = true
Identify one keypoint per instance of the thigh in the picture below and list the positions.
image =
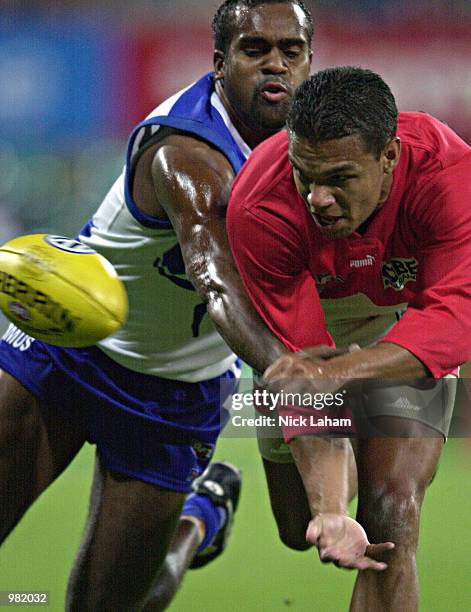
(37, 444)
(129, 530)
(429, 402)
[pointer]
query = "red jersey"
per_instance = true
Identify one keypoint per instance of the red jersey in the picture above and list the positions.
(406, 279)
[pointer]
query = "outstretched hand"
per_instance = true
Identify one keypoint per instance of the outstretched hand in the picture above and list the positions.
(342, 541)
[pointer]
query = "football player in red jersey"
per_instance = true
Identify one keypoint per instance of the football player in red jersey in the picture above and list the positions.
(355, 225)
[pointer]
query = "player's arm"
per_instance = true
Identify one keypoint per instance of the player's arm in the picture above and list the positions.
(436, 327)
(192, 182)
(385, 360)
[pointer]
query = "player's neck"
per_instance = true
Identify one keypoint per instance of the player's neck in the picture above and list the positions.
(252, 136)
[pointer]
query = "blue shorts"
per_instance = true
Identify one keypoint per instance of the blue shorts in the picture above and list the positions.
(153, 429)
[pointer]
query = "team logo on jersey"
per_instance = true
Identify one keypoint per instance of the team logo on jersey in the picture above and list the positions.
(398, 272)
(68, 244)
(202, 450)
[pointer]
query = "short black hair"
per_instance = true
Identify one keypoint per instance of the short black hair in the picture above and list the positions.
(342, 101)
(225, 23)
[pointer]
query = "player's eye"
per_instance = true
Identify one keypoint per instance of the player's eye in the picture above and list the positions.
(339, 179)
(292, 53)
(253, 52)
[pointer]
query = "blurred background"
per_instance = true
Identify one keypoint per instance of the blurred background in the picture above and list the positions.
(74, 79)
(76, 76)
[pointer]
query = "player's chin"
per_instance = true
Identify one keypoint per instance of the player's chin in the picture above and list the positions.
(343, 232)
(272, 116)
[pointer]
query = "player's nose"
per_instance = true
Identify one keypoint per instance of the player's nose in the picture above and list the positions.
(320, 197)
(275, 62)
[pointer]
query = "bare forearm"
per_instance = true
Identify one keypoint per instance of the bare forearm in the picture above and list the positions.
(385, 360)
(323, 464)
(242, 328)
(219, 285)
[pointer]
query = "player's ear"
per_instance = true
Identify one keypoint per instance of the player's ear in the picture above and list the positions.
(390, 155)
(219, 60)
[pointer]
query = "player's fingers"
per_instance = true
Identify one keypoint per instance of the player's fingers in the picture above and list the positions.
(376, 550)
(353, 562)
(365, 563)
(329, 555)
(278, 369)
(334, 557)
(313, 531)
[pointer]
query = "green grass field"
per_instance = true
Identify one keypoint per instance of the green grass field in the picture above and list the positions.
(256, 574)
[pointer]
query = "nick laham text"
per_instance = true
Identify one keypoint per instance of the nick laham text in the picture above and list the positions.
(289, 421)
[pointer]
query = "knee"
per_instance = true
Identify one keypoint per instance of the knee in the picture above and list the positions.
(391, 512)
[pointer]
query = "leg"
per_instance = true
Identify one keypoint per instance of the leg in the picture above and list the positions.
(135, 549)
(203, 530)
(393, 474)
(288, 492)
(288, 503)
(140, 486)
(181, 553)
(37, 445)
(130, 527)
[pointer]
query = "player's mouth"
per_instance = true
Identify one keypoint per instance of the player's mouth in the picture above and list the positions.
(330, 223)
(273, 91)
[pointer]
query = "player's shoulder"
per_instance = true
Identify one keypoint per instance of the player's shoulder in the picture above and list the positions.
(265, 174)
(434, 159)
(182, 146)
(176, 152)
(426, 135)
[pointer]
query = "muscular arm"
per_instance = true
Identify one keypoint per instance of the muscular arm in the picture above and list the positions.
(191, 183)
(385, 360)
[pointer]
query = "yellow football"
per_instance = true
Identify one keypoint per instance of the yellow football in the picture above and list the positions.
(58, 290)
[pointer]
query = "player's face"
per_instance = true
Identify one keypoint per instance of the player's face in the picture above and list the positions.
(342, 182)
(268, 58)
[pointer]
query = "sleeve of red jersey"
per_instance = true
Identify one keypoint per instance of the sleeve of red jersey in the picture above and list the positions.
(273, 266)
(436, 327)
